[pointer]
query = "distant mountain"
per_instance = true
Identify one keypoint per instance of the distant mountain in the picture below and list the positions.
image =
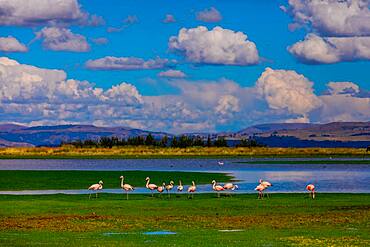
(262, 128)
(54, 135)
(337, 134)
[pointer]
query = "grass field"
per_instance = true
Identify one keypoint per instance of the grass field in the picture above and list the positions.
(142, 152)
(49, 180)
(282, 220)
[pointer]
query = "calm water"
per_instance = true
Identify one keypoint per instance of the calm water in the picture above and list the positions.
(285, 177)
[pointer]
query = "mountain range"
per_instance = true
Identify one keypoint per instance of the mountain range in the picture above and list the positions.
(346, 134)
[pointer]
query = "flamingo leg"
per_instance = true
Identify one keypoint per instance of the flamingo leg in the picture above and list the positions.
(90, 195)
(96, 195)
(126, 195)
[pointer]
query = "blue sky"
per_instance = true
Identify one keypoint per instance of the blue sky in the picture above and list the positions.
(147, 37)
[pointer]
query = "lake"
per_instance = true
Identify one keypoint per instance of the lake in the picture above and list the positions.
(338, 178)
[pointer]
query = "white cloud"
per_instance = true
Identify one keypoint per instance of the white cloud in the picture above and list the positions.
(62, 39)
(284, 89)
(169, 19)
(171, 73)
(11, 44)
(333, 17)
(127, 63)
(209, 15)
(315, 49)
(43, 12)
(343, 88)
(32, 95)
(216, 46)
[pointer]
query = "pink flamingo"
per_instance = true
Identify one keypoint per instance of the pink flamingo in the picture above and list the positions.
(266, 184)
(160, 189)
(217, 187)
(230, 186)
(149, 186)
(311, 189)
(192, 189)
(96, 188)
(169, 187)
(260, 188)
(126, 187)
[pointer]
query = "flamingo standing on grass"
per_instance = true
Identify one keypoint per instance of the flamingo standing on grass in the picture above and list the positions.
(96, 188)
(169, 187)
(311, 189)
(217, 187)
(150, 186)
(180, 187)
(192, 189)
(126, 187)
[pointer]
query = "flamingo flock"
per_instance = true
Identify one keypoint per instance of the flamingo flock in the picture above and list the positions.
(218, 188)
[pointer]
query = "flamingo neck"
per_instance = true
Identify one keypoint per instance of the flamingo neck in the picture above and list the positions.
(147, 183)
(121, 182)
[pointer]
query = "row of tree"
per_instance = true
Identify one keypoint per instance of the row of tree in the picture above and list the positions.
(182, 141)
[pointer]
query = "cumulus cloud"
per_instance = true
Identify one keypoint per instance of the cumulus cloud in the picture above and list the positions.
(332, 17)
(11, 44)
(32, 95)
(44, 12)
(169, 19)
(285, 89)
(315, 49)
(216, 46)
(209, 15)
(127, 63)
(172, 73)
(62, 39)
(29, 93)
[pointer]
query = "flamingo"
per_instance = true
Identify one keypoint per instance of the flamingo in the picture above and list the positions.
(96, 187)
(149, 186)
(220, 163)
(180, 187)
(266, 184)
(126, 187)
(160, 189)
(260, 188)
(217, 187)
(230, 186)
(192, 189)
(311, 189)
(169, 187)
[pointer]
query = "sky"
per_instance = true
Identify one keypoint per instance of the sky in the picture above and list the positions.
(184, 66)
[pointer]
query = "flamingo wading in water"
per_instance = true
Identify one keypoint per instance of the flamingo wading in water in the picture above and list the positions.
(169, 187)
(96, 188)
(160, 189)
(180, 187)
(216, 187)
(150, 186)
(260, 188)
(266, 184)
(230, 186)
(311, 189)
(126, 187)
(192, 189)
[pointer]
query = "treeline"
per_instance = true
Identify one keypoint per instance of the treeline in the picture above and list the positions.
(176, 142)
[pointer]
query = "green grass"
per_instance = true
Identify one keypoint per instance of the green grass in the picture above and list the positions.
(306, 162)
(282, 220)
(41, 180)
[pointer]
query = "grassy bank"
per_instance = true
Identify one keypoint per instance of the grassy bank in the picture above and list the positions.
(283, 220)
(47, 180)
(143, 152)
